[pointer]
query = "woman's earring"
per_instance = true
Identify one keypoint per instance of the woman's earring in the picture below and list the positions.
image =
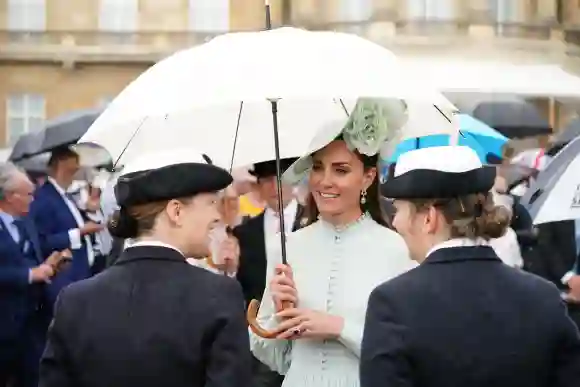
(363, 196)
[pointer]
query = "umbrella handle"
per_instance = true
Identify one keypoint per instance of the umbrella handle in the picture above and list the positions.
(210, 262)
(252, 315)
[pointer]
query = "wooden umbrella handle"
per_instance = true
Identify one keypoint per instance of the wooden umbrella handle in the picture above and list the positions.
(210, 262)
(252, 316)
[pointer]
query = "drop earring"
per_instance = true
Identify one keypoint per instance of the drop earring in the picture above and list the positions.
(363, 196)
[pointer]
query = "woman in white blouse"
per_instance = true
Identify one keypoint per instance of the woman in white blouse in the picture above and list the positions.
(333, 265)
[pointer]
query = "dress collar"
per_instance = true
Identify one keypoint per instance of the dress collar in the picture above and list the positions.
(347, 228)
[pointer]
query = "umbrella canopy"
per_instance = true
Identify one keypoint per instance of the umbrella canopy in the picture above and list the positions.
(555, 195)
(67, 129)
(513, 119)
(26, 146)
(570, 132)
(516, 174)
(475, 134)
(36, 164)
(219, 96)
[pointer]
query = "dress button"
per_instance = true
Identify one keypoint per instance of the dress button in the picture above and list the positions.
(337, 238)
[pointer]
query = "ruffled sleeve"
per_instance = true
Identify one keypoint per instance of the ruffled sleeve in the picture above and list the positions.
(351, 336)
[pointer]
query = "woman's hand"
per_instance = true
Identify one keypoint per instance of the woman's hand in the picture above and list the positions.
(282, 288)
(306, 323)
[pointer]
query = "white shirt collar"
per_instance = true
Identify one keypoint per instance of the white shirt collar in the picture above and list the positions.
(139, 243)
(59, 189)
(270, 216)
(457, 242)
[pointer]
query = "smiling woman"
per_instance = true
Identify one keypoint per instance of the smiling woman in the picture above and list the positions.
(343, 185)
(334, 263)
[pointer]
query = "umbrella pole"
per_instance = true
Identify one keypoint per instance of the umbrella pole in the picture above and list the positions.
(254, 305)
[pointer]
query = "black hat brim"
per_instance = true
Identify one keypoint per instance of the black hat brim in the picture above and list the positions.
(268, 168)
(432, 184)
(170, 182)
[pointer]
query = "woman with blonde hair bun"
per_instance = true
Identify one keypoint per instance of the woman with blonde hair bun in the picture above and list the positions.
(462, 317)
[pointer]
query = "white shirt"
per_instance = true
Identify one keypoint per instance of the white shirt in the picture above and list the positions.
(75, 233)
(457, 242)
(507, 249)
(335, 272)
(272, 227)
(272, 221)
(139, 243)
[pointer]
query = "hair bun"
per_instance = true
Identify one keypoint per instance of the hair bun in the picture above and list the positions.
(493, 222)
(123, 225)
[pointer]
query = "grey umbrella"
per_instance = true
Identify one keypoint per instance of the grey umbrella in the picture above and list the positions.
(27, 145)
(570, 132)
(555, 194)
(514, 119)
(516, 174)
(36, 165)
(67, 129)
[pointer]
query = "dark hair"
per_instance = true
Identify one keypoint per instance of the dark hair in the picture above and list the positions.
(373, 202)
(61, 154)
(137, 220)
(470, 216)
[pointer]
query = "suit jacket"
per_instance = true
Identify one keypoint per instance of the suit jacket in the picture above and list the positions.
(18, 298)
(149, 320)
(54, 219)
(463, 318)
(253, 259)
(555, 252)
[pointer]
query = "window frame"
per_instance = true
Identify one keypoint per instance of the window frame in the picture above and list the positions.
(26, 114)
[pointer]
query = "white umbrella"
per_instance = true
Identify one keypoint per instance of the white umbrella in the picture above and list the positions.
(555, 195)
(217, 96)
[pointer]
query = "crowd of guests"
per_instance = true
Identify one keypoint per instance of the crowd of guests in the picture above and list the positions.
(141, 318)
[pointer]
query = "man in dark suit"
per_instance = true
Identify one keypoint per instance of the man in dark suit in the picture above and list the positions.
(254, 235)
(256, 232)
(462, 317)
(24, 312)
(59, 221)
(572, 278)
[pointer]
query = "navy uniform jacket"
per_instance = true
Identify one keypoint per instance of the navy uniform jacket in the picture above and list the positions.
(149, 320)
(463, 318)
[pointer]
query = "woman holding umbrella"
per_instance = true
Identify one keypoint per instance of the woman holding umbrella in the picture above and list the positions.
(333, 264)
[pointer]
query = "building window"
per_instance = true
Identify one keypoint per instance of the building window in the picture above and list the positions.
(26, 19)
(355, 10)
(25, 113)
(505, 11)
(118, 20)
(431, 9)
(209, 16)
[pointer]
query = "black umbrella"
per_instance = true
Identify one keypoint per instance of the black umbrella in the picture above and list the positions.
(27, 145)
(570, 132)
(514, 119)
(67, 129)
(35, 165)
